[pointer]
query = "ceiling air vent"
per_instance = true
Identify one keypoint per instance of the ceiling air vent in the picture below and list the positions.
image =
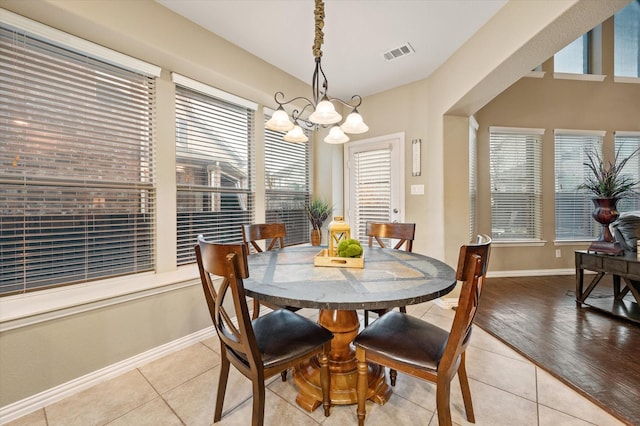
(398, 52)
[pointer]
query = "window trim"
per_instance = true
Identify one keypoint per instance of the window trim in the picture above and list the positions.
(78, 44)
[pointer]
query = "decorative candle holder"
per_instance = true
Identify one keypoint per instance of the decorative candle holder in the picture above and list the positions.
(338, 230)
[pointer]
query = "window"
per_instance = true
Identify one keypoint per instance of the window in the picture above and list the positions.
(573, 207)
(516, 183)
(627, 41)
(626, 143)
(287, 185)
(574, 58)
(214, 165)
(77, 200)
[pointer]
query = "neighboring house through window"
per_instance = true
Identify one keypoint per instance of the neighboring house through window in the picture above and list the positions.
(214, 165)
(287, 184)
(77, 159)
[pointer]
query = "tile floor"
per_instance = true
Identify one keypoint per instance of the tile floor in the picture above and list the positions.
(180, 389)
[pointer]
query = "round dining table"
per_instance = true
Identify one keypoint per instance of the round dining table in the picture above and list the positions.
(389, 278)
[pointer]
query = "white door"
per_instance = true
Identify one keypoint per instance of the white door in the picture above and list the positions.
(374, 182)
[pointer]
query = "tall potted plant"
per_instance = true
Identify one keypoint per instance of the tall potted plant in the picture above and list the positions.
(608, 185)
(318, 210)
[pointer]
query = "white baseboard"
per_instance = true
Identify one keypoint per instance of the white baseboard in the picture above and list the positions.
(35, 402)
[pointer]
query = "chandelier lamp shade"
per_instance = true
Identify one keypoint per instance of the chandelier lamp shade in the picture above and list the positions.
(321, 107)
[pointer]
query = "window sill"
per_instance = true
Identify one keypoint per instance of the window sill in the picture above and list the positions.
(536, 74)
(519, 243)
(581, 77)
(632, 80)
(38, 306)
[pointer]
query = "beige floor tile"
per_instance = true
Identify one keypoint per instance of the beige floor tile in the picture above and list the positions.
(397, 411)
(212, 343)
(508, 374)
(494, 407)
(37, 418)
(178, 367)
(102, 403)
(154, 412)
(483, 340)
(553, 394)
(550, 417)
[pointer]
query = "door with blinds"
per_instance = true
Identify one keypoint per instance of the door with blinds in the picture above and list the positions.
(374, 182)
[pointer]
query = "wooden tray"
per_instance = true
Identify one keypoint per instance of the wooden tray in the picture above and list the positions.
(322, 259)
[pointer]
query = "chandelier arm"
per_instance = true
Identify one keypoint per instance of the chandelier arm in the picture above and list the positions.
(349, 104)
(297, 114)
(283, 102)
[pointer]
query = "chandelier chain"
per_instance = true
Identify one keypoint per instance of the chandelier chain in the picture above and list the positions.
(318, 13)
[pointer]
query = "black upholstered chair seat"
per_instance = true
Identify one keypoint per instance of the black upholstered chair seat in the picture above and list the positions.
(283, 334)
(406, 339)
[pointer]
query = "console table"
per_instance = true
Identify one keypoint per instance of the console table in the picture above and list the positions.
(625, 267)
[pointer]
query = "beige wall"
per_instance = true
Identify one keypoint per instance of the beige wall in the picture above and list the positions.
(37, 357)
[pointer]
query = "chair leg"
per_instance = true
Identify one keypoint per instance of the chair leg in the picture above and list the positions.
(222, 386)
(283, 375)
(392, 375)
(325, 380)
(466, 391)
(403, 309)
(361, 384)
(256, 309)
(443, 402)
(257, 416)
(366, 318)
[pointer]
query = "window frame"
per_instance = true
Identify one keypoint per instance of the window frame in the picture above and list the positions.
(576, 141)
(531, 221)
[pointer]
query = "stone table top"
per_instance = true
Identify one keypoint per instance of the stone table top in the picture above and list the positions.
(389, 278)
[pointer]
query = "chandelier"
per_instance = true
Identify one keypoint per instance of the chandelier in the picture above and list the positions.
(324, 113)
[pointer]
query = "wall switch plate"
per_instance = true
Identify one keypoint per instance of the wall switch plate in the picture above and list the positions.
(417, 189)
(558, 253)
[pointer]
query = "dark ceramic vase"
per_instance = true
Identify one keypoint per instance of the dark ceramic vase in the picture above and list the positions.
(604, 213)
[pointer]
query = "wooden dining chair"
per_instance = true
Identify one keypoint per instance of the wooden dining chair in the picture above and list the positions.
(273, 234)
(403, 232)
(260, 348)
(423, 350)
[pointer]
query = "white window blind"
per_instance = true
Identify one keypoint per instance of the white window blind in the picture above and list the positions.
(473, 179)
(77, 196)
(516, 183)
(287, 185)
(626, 143)
(627, 41)
(372, 188)
(573, 206)
(214, 170)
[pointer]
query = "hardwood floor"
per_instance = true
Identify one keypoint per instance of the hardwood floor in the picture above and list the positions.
(595, 353)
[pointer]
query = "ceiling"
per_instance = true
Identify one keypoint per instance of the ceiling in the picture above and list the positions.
(356, 35)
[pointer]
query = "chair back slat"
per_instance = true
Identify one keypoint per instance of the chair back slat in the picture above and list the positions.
(228, 261)
(275, 232)
(472, 268)
(403, 232)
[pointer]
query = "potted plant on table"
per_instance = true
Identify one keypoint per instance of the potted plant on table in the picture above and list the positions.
(318, 210)
(608, 185)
